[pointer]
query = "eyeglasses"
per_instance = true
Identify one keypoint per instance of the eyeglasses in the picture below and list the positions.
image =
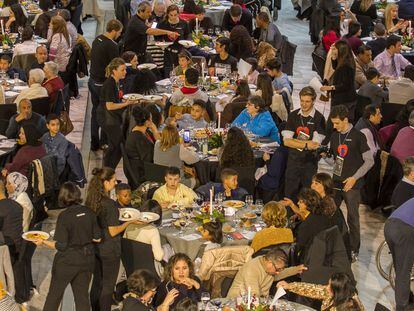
(277, 269)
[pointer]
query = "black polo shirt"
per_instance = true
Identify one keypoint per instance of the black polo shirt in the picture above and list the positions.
(103, 51)
(313, 124)
(76, 227)
(109, 217)
(11, 222)
(181, 28)
(356, 144)
(136, 36)
(111, 92)
(246, 20)
(223, 66)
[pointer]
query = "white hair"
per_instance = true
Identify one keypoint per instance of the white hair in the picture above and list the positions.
(53, 67)
(36, 75)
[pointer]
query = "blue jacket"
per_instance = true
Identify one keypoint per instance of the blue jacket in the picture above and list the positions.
(236, 194)
(261, 125)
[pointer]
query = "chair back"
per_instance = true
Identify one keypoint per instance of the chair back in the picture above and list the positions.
(7, 111)
(23, 62)
(133, 180)
(389, 112)
(154, 172)
(136, 255)
(318, 64)
(41, 105)
(62, 101)
(362, 102)
(76, 16)
(4, 124)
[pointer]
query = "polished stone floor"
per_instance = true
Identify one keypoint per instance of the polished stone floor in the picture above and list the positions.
(372, 288)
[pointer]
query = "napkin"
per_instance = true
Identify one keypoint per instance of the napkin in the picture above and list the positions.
(280, 292)
(248, 235)
(243, 68)
(191, 237)
(20, 87)
(164, 82)
(10, 94)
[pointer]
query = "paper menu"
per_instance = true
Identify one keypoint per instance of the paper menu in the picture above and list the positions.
(280, 292)
(316, 84)
(243, 68)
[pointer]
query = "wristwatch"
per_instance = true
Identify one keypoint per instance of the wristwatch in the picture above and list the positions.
(306, 146)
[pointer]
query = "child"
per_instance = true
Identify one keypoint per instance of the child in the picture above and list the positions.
(123, 195)
(55, 142)
(370, 88)
(212, 233)
(280, 79)
(184, 62)
(194, 119)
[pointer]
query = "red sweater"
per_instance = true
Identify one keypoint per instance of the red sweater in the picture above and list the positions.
(24, 156)
(53, 86)
(330, 38)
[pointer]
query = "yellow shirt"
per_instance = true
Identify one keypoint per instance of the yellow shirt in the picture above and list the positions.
(184, 195)
(271, 236)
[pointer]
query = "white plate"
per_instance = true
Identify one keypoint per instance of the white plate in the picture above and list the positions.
(127, 214)
(44, 235)
(147, 66)
(187, 43)
(133, 96)
(149, 217)
(41, 41)
(252, 86)
(152, 97)
(20, 87)
(163, 44)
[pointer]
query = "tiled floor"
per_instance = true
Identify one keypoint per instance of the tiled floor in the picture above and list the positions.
(372, 288)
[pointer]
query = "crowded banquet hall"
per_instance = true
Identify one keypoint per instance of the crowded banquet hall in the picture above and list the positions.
(184, 155)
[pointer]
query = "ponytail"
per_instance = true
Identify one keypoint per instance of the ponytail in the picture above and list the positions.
(113, 65)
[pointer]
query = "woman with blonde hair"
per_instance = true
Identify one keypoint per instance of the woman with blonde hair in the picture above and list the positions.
(265, 52)
(391, 21)
(365, 8)
(170, 151)
(274, 215)
(59, 43)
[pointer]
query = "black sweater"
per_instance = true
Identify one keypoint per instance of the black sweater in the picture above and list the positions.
(402, 193)
(344, 82)
(371, 12)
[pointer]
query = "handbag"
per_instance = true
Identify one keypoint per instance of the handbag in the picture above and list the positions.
(66, 125)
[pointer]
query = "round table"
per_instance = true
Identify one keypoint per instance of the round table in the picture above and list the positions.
(281, 304)
(190, 242)
(216, 13)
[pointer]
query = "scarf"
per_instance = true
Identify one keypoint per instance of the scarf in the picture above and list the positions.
(19, 183)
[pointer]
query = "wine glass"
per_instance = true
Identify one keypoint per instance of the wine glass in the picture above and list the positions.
(249, 200)
(20, 30)
(199, 199)
(13, 39)
(218, 198)
(183, 224)
(205, 298)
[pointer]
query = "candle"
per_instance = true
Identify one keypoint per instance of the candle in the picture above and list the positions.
(211, 201)
(202, 70)
(196, 26)
(409, 29)
(219, 120)
(2, 27)
(249, 297)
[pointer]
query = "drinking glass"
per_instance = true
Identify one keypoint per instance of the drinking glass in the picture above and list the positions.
(16, 78)
(205, 298)
(249, 200)
(210, 32)
(183, 224)
(20, 30)
(219, 198)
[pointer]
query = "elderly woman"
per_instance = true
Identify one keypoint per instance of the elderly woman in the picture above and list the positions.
(16, 188)
(28, 45)
(35, 90)
(53, 82)
(257, 119)
(274, 216)
(32, 149)
(142, 286)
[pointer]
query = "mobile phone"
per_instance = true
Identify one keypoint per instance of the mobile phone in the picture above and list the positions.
(186, 136)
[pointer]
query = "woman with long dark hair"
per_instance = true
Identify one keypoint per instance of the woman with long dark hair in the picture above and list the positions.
(241, 44)
(237, 151)
(108, 256)
(352, 37)
(76, 232)
(16, 19)
(364, 8)
(172, 22)
(237, 103)
(343, 80)
(339, 295)
(265, 88)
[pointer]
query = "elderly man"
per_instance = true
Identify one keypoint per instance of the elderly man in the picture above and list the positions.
(41, 57)
(35, 90)
(268, 31)
(260, 272)
(25, 115)
(53, 82)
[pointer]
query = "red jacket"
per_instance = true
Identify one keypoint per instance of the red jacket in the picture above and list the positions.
(53, 86)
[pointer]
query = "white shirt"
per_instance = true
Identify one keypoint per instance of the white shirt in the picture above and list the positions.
(147, 234)
(27, 205)
(27, 47)
(34, 91)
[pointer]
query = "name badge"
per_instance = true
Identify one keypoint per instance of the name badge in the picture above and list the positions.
(338, 166)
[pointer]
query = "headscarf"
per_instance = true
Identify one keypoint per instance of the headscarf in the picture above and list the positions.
(19, 182)
(32, 135)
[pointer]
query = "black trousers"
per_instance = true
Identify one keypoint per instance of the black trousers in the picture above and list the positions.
(104, 281)
(96, 139)
(79, 278)
(298, 175)
(352, 200)
(114, 153)
(400, 237)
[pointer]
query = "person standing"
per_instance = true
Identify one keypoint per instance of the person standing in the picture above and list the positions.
(353, 159)
(108, 256)
(268, 31)
(137, 32)
(305, 130)
(104, 49)
(399, 234)
(76, 232)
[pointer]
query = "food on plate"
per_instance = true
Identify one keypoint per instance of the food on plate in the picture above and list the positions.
(228, 229)
(213, 151)
(126, 215)
(248, 223)
(235, 204)
(250, 215)
(200, 133)
(36, 236)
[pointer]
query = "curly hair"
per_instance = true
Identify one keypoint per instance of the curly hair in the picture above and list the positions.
(312, 200)
(274, 214)
(96, 190)
(237, 151)
(214, 228)
(241, 43)
(265, 52)
(243, 89)
(168, 270)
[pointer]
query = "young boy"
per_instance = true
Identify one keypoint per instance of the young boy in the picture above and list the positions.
(55, 142)
(194, 119)
(371, 89)
(123, 195)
